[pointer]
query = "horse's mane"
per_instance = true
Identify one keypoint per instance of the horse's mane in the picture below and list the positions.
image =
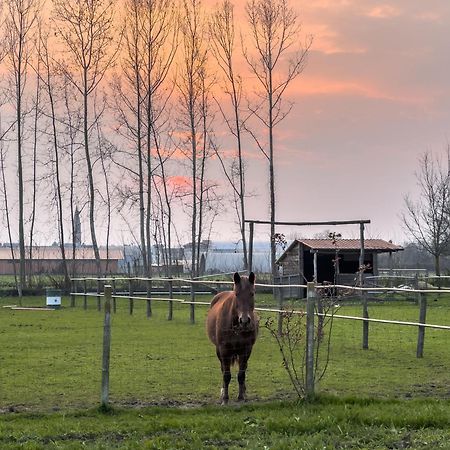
(219, 297)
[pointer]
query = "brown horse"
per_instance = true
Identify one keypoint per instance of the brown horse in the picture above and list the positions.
(232, 326)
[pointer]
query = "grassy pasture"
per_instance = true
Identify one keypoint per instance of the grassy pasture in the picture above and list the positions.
(50, 371)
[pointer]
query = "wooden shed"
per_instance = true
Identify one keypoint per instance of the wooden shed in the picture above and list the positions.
(309, 259)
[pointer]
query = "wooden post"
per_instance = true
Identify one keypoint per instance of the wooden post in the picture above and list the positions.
(149, 295)
(114, 300)
(85, 294)
(422, 319)
(192, 309)
(99, 299)
(170, 315)
(72, 296)
(310, 303)
(106, 348)
(365, 340)
(250, 248)
(315, 266)
(416, 286)
(130, 293)
(280, 307)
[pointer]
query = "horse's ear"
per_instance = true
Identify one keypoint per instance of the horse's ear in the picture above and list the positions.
(237, 278)
(251, 278)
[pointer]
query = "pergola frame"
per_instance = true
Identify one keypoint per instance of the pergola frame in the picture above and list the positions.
(360, 222)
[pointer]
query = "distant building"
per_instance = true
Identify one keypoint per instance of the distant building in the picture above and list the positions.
(306, 259)
(48, 260)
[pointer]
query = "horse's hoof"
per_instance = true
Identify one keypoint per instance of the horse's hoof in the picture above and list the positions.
(224, 403)
(241, 399)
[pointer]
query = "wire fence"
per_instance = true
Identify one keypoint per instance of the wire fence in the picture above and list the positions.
(53, 359)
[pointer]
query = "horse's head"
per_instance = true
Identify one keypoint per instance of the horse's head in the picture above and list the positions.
(244, 288)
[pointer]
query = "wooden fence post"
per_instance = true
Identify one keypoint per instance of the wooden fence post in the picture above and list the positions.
(149, 294)
(99, 299)
(192, 312)
(72, 296)
(130, 291)
(365, 343)
(170, 315)
(106, 348)
(310, 304)
(280, 307)
(114, 291)
(85, 294)
(422, 319)
(250, 248)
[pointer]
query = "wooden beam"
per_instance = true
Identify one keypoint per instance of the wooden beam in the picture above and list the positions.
(331, 222)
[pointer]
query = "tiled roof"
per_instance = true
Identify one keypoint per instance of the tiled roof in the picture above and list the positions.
(350, 244)
(377, 245)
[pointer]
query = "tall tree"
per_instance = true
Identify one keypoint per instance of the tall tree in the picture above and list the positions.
(276, 60)
(88, 31)
(49, 81)
(21, 17)
(160, 35)
(223, 34)
(428, 218)
(36, 119)
(191, 85)
(141, 97)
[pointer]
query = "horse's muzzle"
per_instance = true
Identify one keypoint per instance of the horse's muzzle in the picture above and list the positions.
(245, 322)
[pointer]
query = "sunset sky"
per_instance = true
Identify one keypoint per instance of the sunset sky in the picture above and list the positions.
(374, 96)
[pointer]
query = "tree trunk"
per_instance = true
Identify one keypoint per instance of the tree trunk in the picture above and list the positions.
(90, 175)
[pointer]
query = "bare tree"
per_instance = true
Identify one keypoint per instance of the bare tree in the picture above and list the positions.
(87, 29)
(49, 82)
(36, 118)
(277, 59)
(141, 97)
(6, 202)
(194, 106)
(222, 30)
(21, 17)
(160, 35)
(72, 124)
(428, 219)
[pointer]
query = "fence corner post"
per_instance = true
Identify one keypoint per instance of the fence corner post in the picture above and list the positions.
(106, 349)
(310, 305)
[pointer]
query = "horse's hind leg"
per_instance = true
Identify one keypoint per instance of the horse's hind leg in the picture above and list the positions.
(226, 374)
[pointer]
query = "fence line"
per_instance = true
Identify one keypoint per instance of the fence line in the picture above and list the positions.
(313, 303)
(283, 311)
(318, 286)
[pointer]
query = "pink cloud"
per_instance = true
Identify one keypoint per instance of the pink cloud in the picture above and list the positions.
(384, 12)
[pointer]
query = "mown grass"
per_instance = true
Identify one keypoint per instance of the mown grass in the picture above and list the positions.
(165, 382)
(327, 423)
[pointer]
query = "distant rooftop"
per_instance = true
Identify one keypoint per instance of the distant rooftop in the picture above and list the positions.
(344, 245)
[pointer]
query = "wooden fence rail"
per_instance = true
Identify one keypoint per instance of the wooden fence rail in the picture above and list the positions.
(111, 294)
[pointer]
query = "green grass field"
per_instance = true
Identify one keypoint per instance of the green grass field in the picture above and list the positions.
(165, 382)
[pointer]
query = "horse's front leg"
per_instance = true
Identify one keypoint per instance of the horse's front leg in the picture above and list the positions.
(226, 375)
(243, 359)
